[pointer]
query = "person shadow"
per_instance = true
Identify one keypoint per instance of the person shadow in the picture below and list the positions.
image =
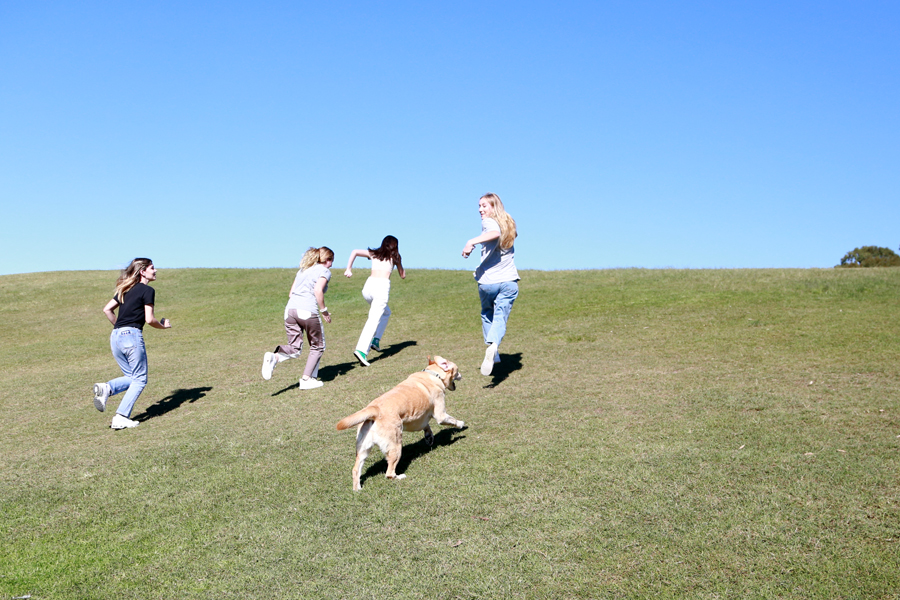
(391, 350)
(443, 438)
(332, 372)
(509, 363)
(172, 402)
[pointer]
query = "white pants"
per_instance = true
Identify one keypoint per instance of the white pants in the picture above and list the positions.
(376, 292)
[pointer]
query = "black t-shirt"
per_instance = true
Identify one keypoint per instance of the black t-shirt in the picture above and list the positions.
(131, 313)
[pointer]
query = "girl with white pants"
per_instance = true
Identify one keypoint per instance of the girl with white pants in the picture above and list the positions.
(376, 292)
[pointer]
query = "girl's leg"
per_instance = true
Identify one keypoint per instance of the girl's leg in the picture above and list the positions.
(383, 322)
(487, 293)
(376, 292)
(293, 327)
(503, 302)
(285, 352)
(119, 384)
(316, 336)
(131, 355)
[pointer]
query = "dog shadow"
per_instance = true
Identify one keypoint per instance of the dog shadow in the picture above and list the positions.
(510, 363)
(172, 402)
(444, 437)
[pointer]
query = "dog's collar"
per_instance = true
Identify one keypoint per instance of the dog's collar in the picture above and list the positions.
(430, 372)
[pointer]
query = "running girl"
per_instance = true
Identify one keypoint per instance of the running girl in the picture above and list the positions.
(376, 292)
(304, 312)
(134, 300)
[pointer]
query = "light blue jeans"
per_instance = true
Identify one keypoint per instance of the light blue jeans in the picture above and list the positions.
(496, 302)
(127, 344)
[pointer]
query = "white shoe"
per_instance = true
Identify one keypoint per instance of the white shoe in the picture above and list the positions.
(310, 384)
(121, 422)
(270, 359)
(101, 395)
(487, 365)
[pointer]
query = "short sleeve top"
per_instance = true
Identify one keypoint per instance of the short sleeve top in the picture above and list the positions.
(497, 265)
(131, 312)
(303, 295)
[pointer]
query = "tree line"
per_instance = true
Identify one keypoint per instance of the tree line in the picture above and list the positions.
(870, 256)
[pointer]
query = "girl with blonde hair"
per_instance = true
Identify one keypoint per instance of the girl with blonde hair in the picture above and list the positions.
(376, 292)
(496, 275)
(135, 301)
(304, 313)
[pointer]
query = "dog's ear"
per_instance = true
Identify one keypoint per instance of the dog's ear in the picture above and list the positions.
(430, 361)
(443, 363)
(449, 382)
(451, 376)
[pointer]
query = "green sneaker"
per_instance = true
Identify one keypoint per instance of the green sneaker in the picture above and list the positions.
(376, 344)
(361, 357)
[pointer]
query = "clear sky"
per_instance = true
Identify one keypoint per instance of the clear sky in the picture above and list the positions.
(618, 133)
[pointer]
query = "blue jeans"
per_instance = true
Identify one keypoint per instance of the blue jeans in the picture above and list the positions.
(127, 344)
(496, 302)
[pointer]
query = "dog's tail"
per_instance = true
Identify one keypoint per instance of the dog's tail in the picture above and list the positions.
(369, 413)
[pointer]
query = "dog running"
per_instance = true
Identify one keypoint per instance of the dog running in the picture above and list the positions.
(407, 407)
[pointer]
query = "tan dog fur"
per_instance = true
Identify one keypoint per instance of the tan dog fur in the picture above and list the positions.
(407, 407)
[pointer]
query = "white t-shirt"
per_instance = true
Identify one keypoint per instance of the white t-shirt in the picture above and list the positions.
(303, 295)
(497, 265)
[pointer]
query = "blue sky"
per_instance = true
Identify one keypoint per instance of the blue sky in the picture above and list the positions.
(619, 134)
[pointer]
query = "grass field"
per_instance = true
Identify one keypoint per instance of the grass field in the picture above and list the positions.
(650, 433)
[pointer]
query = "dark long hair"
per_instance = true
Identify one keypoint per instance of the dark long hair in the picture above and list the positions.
(387, 251)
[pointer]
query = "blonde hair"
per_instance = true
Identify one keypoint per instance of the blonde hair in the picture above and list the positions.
(507, 224)
(314, 256)
(130, 276)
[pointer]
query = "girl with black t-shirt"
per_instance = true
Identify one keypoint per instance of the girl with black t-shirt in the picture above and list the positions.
(135, 300)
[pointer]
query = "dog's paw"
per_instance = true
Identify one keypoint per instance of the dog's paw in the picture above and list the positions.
(396, 477)
(460, 425)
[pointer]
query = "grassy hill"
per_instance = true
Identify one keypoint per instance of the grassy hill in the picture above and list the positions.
(673, 433)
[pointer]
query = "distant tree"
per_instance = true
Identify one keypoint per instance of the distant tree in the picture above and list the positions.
(870, 256)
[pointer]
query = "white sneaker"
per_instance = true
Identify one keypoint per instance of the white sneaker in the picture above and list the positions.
(310, 384)
(487, 365)
(121, 422)
(101, 395)
(270, 359)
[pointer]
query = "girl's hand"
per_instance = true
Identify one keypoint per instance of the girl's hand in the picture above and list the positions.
(327, 317)
(468, 249)
(348, 273)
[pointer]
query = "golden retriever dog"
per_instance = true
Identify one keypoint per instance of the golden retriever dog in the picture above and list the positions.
(407, 407)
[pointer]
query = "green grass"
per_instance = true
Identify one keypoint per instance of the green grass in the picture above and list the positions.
(650, 433)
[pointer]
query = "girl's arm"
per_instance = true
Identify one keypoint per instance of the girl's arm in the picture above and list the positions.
(353, 255)
(109, 311)
(319, 292)
(401, 270)
(487, 236)
(151, 320)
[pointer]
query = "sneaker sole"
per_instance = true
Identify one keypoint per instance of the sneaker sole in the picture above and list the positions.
(99, 402)
(267, 358)
(487, 365)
